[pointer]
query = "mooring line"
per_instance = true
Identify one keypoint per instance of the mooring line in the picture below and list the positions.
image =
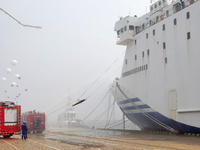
(147, 114)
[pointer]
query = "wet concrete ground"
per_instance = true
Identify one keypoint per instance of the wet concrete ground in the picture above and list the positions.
(80, 139)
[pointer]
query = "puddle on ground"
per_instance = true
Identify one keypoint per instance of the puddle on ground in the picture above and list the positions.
(76, 142)
(65, 135)
(89, 132)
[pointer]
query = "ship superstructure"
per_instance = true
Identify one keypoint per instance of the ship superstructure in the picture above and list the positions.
(68, 118)
(159, 88)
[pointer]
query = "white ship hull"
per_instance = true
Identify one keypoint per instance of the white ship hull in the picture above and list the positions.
(159, 88)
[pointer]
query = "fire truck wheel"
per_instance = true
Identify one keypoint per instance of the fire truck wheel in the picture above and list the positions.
(6, 136)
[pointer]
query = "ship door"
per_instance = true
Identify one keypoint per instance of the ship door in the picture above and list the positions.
(172, 104)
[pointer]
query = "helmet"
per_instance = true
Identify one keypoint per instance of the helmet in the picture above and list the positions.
(24, 121)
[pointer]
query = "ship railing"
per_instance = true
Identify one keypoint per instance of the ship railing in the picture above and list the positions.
(174, 9)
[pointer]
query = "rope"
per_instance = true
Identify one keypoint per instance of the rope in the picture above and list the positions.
(97, 105)
(107, 122)
(114, 123)
(91, 85)
(101, 74)
(117, 124)
(133, 118)
(110, 115)
(108, 105)
(96, 119)
(100, 116)
(103, 82)
(146, 114)
(87, 97)
(19, 21)
(59, 108)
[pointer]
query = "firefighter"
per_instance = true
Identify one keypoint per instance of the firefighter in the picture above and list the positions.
(24, 130)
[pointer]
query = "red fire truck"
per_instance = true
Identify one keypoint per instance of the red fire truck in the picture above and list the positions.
(10, 119)
(35, 121)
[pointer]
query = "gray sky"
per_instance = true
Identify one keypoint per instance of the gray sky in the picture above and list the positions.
(76, 44)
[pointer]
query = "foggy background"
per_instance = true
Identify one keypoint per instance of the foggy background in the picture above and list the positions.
(59, 62)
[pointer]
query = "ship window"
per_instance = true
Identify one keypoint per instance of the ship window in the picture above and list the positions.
(154, 32)
(143, 26)
(125, 28)
(126, 61)
(146, 35)
(135, 57)
(155, 6)
(137, 28)
(167, 13)
(157, 18)
(146, 66)
(131, 27)
(135, 42)
(150, 22)
(164, 45)
(148, 52)
(159, 3)
(151, 8)
(142, 54)
(175, 21)
(188, 35)
(165, 59)
(163, 27)
(188, 15)
(121, 30)
(118, 32)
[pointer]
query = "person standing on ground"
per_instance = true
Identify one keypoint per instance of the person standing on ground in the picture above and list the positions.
(24, 130)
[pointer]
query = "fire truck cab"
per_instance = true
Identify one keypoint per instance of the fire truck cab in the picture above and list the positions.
(10, 119)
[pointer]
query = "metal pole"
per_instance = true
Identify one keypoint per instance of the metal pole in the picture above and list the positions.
(123, 121)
